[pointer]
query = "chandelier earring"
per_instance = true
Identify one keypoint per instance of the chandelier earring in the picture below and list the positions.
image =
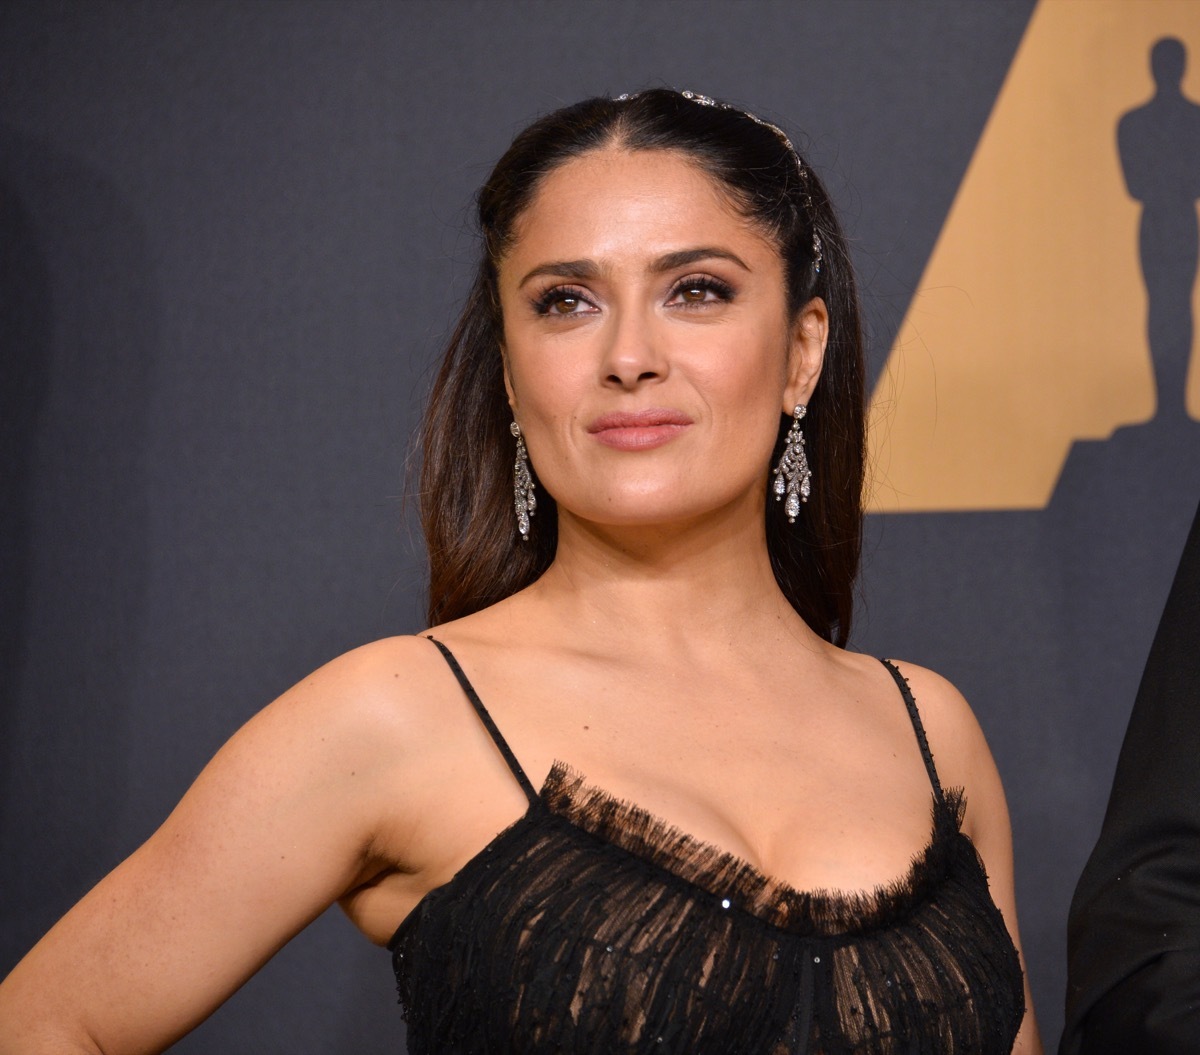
(793, 478)
(524, 501)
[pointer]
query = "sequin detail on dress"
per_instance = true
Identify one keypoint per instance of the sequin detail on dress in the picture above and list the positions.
(591, 926)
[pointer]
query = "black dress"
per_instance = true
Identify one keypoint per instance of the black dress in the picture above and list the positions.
(591, 926)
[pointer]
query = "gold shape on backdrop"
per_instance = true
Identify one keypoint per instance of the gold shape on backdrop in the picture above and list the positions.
(1028, 329)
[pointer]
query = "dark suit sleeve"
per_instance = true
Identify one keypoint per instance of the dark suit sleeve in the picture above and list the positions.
(1133, 936)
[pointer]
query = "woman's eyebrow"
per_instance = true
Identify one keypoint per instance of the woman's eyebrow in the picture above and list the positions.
(683, 257)
(580, 269)
(585, 269)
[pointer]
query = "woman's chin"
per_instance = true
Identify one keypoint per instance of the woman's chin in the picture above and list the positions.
(664, 516)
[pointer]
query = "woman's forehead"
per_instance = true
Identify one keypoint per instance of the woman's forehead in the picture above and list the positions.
(617, 198)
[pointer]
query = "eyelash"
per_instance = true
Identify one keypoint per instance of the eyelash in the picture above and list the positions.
(704, 283)
(542, 304)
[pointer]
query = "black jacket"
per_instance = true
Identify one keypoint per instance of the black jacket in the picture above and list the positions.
(1133, 936)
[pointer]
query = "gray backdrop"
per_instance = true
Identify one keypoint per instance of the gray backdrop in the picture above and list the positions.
(232, 238)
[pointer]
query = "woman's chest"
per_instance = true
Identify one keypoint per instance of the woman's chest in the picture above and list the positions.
(591, 927)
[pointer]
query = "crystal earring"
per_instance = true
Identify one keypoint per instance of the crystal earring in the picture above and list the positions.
(524, 502)
(793, 477)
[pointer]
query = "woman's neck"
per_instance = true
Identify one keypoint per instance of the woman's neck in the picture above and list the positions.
(701, 581)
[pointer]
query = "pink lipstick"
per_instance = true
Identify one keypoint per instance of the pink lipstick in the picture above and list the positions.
(639, 430)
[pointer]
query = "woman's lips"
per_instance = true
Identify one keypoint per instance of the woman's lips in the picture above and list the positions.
(639, 430)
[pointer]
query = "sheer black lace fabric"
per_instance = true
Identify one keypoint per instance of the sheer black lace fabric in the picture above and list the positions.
(591, 926)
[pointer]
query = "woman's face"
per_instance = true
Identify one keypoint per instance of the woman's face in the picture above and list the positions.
(648, 346)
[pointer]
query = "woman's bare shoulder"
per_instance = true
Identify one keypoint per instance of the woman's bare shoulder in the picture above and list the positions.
(373, 663)
(382, 671)
(944, 711)
(391, 688)
(957, 741)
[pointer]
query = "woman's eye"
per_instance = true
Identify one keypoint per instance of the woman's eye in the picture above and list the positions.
(561, 302)
(701, 291)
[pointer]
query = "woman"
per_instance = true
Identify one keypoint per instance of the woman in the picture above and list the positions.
(663, 336)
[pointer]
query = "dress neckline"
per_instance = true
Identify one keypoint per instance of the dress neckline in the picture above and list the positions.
(728, 877)
(730, 881)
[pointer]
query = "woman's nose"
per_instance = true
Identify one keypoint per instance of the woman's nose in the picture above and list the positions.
(633, 353)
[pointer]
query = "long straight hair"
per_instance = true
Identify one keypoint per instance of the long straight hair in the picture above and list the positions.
(476, 557)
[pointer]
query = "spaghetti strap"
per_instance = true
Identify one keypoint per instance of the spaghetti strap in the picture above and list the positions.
(488, 724)
(918, 728)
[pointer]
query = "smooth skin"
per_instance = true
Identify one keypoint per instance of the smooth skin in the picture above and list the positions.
(656, 655)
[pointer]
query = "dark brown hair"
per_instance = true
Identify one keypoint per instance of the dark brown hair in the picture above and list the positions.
(476, 557)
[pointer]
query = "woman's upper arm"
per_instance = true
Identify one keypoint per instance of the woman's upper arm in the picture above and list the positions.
(963, 759)
(277, 826)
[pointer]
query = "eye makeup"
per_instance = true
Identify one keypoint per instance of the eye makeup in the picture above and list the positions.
(694, 291)
(570, 297)
(704, 285)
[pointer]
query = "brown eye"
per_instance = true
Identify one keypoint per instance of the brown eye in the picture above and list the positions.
(563, 301)
(701, 291)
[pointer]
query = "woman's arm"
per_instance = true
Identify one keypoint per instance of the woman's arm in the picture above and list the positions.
(277, 826)
(964, 760)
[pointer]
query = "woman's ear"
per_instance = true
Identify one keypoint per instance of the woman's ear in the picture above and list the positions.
(806, 353)
(508, 385)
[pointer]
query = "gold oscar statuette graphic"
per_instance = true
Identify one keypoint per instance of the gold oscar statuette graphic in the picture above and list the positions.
(1028, 329)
